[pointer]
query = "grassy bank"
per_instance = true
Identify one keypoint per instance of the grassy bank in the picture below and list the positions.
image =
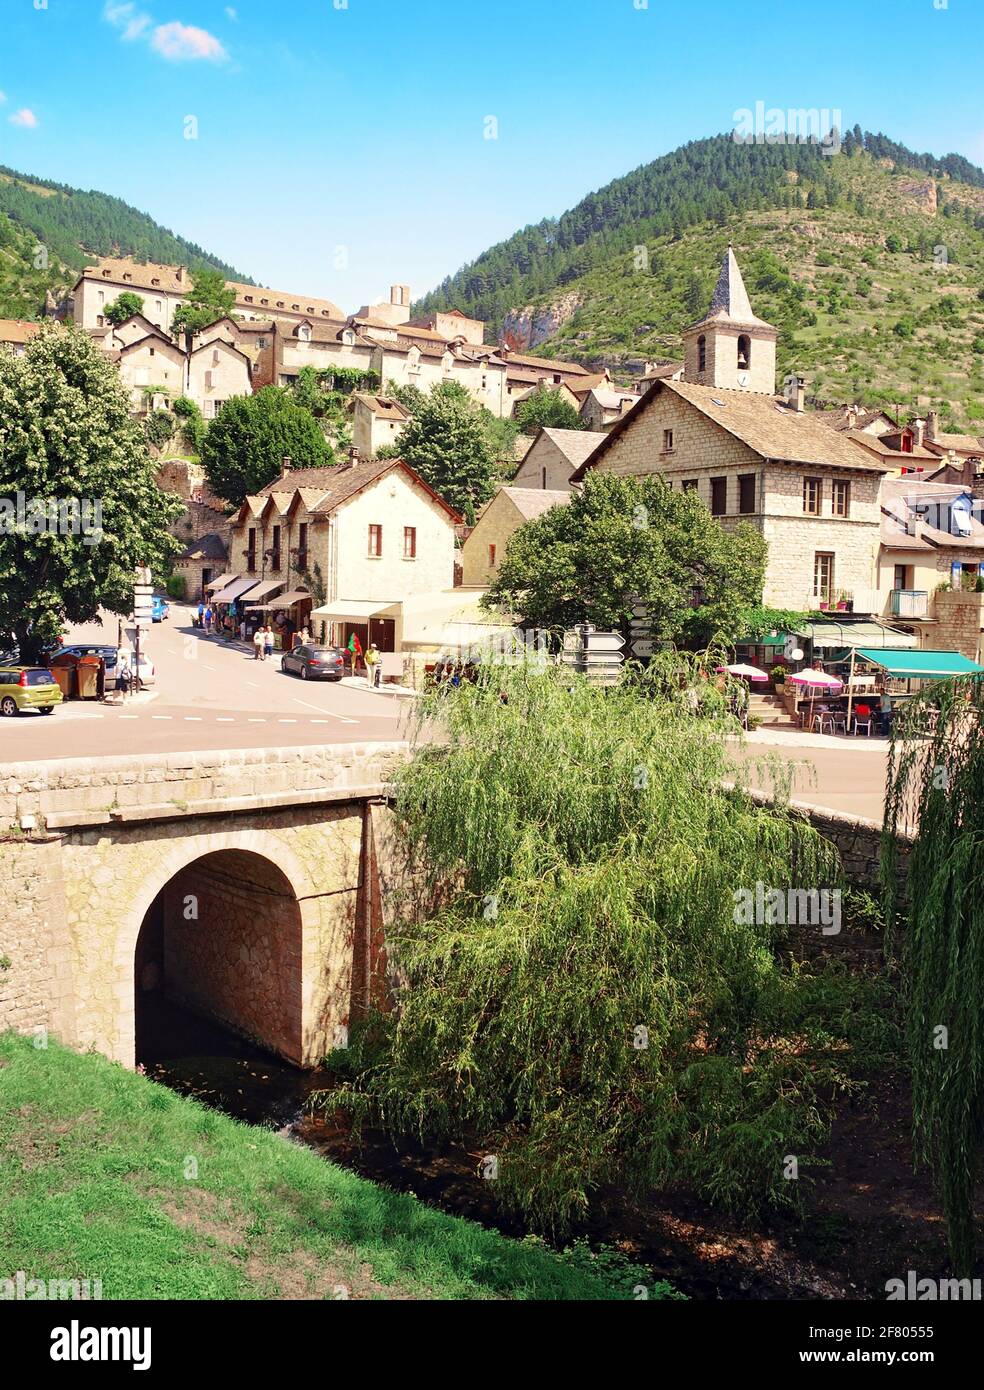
(105, 1175)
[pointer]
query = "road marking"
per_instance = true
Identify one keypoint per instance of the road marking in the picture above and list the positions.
(134, 716)
(286, 721)
(193, 718)
(253, 684)
(328, 712)
(162, 716)
(224, 719)
(255, 721)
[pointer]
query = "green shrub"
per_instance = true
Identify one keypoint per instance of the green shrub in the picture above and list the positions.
(177, 586)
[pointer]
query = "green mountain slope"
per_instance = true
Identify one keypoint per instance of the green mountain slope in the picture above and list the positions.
(869, 262)
(49, 231)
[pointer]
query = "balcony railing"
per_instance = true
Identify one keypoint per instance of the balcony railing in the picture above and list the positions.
(910, 603)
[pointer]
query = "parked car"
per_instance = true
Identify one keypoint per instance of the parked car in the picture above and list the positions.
(315, 663)
(28, 687)
(159, 609)
(110, 655)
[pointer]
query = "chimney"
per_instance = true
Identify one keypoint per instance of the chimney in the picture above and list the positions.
(852, 417)
(932, 424)
(795, 392)
(179, 274)
(285, 463)
(918, 432)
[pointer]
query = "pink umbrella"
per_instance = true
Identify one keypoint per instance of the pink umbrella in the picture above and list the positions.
(818, 678)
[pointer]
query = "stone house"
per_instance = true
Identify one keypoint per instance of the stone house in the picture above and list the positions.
(360, 538)
(757, 458)
(377, 421)
(602, 406)
(501, 518)
(15, 334)
(553, 457)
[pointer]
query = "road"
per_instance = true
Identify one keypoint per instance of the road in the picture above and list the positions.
(846, 775)
(209, 695)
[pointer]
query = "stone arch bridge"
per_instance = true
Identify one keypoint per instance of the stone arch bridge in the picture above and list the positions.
(252, 883)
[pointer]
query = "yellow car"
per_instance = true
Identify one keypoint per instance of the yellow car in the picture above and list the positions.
(28, 687)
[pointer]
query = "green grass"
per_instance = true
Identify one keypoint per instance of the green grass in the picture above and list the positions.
(93, 1164)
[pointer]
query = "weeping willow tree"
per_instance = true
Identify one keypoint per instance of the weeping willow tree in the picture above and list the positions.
(936, 799)
(586, 1004)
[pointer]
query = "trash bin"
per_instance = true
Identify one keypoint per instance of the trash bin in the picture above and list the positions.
(65, 676)
(88, 670)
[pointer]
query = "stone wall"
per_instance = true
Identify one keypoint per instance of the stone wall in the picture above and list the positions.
(35, 948)
(959, 617)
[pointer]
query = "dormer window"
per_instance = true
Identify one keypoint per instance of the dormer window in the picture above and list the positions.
(264, 301)
(295, 306)
(105, 274)
(304, 332)
(249, 299)
(310, 309)
(744, 352)
(280, 303)
(127, 276)
(348, 337)
(702, 353)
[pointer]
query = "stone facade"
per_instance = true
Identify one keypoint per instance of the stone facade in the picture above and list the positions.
(267, 842)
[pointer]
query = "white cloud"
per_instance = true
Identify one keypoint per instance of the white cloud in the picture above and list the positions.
(131, 22)
(231, 13)
(3, 98)
(24, 117)
(180, 42)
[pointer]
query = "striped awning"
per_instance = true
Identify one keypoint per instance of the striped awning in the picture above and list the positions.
(221, 582)
(288, 600)
(235, 590)
(263, 590)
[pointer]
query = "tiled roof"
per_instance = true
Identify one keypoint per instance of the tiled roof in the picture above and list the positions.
(662, 370)
(961, 443)
(765, 423)
(18, 331)
(336, 485)
(279, 301)
(894, 457)
(131, 274)
(210, 547)
(544, 364)
(532, 502)
(575, 445)
(383, 407)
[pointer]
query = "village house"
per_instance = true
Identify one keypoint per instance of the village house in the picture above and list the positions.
(377, 422)
(510, 508)
(353, 542)
(16, 334)
(553, 457)
(757, 458)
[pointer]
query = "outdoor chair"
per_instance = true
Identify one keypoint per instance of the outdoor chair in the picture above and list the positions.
(863, 719)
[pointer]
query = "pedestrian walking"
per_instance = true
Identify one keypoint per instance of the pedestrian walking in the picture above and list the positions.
(259, 645)
(268, 641)
(374, 665)
(208, 618)
(201, 614)
(355, 647)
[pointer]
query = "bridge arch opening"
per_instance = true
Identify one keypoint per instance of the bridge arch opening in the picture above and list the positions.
(222, 939)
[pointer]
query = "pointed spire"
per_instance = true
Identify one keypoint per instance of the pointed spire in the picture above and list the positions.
(730, 293)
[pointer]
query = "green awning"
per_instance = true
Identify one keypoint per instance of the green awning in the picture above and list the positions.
(831, 635)
(921, 666)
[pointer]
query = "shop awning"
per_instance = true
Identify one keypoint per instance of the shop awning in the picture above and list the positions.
(222, 581)
(235, 590)
(288, 600)
(357, 610)
(923, 665)
(263, 590)
(831, 635)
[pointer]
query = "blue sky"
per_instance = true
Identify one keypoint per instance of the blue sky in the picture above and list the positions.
(341, 147)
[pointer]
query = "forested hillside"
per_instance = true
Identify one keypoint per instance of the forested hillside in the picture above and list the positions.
(869, 262)
(49, 231)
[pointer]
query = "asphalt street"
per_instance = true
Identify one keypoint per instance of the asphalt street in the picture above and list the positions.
(209, 694)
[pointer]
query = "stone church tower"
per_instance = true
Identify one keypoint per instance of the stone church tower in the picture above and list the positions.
(729, 347)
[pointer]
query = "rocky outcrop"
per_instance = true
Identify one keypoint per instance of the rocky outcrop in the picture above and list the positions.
(528, 327)
(918, 195)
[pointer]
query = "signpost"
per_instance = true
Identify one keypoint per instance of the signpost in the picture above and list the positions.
(598, 655)
(143, 615)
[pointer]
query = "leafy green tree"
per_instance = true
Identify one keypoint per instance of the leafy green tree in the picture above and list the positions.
(159, 428)
(245, 445)
(69, 445)
(587, 1000)
(447, 443)
(547, 410)
(208, 300)
(623, 542)
(124, 307)
(192, 421)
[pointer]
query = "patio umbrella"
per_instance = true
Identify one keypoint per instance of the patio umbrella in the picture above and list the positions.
(751, 673)
(816, 680)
